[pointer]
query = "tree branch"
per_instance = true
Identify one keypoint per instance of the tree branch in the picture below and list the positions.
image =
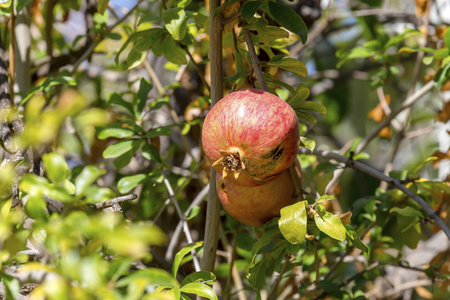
(255, 60)
(379, 175)
(213, 208)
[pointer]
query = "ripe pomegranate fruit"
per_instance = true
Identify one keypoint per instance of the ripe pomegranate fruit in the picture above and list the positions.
(250, 136)
(256, 205)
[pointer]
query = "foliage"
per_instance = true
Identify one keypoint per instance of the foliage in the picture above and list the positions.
(103, 179)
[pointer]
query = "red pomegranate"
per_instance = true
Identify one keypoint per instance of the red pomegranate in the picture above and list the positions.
(250, 136)
(256, 205)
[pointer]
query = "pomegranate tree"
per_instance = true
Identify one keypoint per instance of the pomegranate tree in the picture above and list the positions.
(256, 205)
(250, 136)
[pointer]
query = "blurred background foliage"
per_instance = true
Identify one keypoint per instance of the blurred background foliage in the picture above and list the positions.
(103, 181)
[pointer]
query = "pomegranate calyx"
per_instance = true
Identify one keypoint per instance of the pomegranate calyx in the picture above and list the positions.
(231, 162)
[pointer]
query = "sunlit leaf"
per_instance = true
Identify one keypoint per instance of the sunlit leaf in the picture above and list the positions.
(128, 183)
(199, 289)
(308, 143)
(292, 65)
(331, 225)
(121, 147)
(56, 167)
(180, 255)
(292, 222)
(288, 18)
(102, 6)
(152, 276)
(87, 177)
(249, 9)
(116, 130)
(175, 21)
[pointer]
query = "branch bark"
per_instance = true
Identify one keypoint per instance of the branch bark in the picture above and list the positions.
(213, 207)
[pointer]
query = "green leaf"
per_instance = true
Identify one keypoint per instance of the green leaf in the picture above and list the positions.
(173, 52)
(265, 239)
(442, 76)
(300, 95)
(86, 178)
(395, 40)
(203, 276)
(128, 183)
(407, 211)
(115, 98)
(151, 276)
(354, 238)
(12, 286)
(199, 289)
(193, 212)
(56, 167)
(135, 58)
(102, 6)
(36, 207)
(308, 143)
(309, 106)
(21, 4)
(181, 254)
(47, 84)
(322, 182)
(306, 117)
(423, 163)
(150, 36)
(292, 65)
(249, 9)
(163, 130)
(257, 274)
(331, 225)
(331, 288)
(142, 95)
(357, 52)
(116, 130)
(325, 198)
(288, 18)
(292, 222)
(175, 21)
(121, 147)
(150, 152)
(441, 53)
(447, 38)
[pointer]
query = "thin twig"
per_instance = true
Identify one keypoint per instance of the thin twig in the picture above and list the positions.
(316, 261)
(274, 288)
(186, 231)
(407, 103)
(379, 175)
(99, 38)
(115, 201)
(255, 60)
(406, 118)
(176, 234)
